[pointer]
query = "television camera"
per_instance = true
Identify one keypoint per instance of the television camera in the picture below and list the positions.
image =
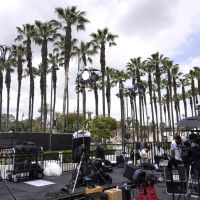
(191, 149)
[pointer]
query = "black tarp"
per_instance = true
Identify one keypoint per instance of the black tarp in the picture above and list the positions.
(190, 122)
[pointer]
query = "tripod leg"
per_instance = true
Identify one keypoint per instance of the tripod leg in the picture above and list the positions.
(78, 171)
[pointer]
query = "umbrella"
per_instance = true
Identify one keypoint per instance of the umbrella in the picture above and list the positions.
(193, 122)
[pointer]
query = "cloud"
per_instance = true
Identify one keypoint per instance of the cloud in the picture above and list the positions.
(144, 27)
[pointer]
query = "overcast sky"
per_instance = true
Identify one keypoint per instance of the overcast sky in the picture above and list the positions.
(144, 27)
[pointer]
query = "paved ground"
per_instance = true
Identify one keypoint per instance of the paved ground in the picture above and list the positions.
(24, 191)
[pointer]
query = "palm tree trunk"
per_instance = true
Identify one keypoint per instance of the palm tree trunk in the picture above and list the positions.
(122, 114)
(133, 118)
(64, 128)
(18, 100)
(103, 64)
(184, 100)
(156, 115)
(96, 99)
(136, 119)
(8, 110)
(1, 89)
(84, 103)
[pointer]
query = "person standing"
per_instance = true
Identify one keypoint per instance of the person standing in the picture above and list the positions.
(177, 148)
(158, 153)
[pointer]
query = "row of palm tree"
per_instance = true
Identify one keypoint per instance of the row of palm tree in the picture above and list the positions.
(165, 85)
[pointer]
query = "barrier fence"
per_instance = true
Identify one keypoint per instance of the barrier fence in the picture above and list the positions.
(64, 158)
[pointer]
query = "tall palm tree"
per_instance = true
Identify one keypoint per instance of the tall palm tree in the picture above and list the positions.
(85, 51)
(101, 38)
(184, 83)
(119, 77)
(137, 64)
(149, 69)
(197, 74)
(2, 68)
(26, 34)
(175, 76)
(70, 17)
(167, 67)
(18, 52)
(46, 32)
(54, 60)
(157, 59)
(191, 76)
(8, 67)
(109, 83)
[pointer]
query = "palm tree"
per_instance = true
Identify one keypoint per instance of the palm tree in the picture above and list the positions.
(8, 67)
(70, 17)
(85, 51)
(26, 33)
(54, 60)
(175, 76)
(197, 75)
(46, 31)
(136, 65)
(149, 69)
(157, 59)
(184, 82)
(109, 84)
(18, 52)
(167, 66)
(191, 77)
(120, 77)
(2, 67)
(100, 39)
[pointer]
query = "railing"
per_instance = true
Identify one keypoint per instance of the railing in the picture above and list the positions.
(65, 161)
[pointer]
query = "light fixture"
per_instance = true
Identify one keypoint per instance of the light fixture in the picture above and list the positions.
(85, 75)
(94, 77)
(141, 89)
(88, 74)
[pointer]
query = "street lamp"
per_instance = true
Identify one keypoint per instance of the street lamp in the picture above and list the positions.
(53, 73)
(85, 76)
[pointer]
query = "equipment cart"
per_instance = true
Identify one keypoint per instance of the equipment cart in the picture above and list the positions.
(26, 161)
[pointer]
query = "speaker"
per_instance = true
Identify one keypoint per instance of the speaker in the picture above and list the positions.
(129, 171)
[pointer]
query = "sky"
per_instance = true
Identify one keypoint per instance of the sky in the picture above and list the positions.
(171, 27)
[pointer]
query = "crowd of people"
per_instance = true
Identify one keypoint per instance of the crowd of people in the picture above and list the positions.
(143, 153)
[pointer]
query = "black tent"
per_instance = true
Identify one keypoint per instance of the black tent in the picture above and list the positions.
(191, 122)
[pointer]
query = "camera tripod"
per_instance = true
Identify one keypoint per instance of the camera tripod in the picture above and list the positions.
(194, 180)
(80, 168)
(95, 175)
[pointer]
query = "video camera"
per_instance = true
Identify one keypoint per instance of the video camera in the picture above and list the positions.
(191, 149)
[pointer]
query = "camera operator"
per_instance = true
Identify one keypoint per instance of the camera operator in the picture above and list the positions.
(100, 152)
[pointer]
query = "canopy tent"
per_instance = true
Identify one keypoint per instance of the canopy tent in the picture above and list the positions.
(81, 134)
(192, 122)
(80, 139)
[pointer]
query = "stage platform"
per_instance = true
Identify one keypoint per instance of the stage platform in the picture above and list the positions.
(50, 187)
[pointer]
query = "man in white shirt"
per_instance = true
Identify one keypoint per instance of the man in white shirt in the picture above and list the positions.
(144, 154)
(176, 148)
